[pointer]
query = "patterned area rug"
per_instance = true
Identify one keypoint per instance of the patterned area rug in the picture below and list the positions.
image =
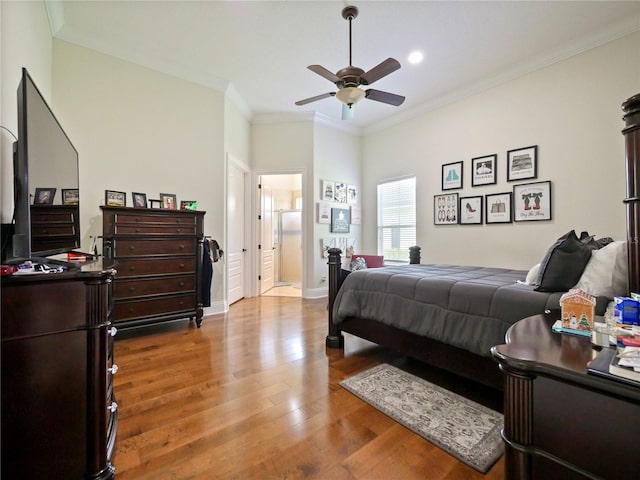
(468, 431)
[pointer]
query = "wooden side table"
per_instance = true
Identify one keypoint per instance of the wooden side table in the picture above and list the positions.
(559, 421)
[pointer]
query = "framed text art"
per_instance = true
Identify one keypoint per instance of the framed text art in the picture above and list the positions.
(445, 209)
(340, 220)
(483, 170)
(522, 163)
(532, 201)
(471, 210)
(498, 208)
(327, 190)
(452, 176)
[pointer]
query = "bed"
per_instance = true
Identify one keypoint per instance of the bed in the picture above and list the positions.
(449, 316)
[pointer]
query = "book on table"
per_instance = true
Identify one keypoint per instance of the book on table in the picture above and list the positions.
(606, 364)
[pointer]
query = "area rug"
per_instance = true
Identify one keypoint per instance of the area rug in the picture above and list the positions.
(468, 431)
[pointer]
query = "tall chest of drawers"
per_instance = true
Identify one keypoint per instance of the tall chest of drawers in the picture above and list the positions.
(54, 226)
(157, 254)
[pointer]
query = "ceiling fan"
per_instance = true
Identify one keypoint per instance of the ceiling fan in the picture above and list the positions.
(349, 79)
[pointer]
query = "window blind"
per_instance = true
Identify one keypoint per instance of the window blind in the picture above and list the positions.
(396, 218)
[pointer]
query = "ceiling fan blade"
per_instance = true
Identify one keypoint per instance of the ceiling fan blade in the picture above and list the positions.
(383, 69)
(316, 98)
(323, 72)
(384, 97)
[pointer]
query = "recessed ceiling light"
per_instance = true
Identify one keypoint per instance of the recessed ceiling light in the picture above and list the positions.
(415, 57)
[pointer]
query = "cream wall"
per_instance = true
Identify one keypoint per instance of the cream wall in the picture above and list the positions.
(336, 158)
(138, 130)
(571, 110)
(287, 147)
(25, 41)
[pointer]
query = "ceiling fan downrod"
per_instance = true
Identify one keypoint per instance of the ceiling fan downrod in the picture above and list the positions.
(349, 13)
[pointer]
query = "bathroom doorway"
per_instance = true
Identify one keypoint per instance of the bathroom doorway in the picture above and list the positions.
(285, 232)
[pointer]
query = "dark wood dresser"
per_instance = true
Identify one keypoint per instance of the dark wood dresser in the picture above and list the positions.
(158, 256)
(54, 226)
(59, 416)
(559, 421)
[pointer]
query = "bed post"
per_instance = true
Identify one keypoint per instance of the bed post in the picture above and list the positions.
(631, 132)
(414, 255)
(334, 339)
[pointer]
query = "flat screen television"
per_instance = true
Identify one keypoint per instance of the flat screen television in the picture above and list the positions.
(46, 181)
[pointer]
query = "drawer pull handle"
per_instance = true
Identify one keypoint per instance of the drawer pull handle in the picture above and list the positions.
(178, 230)
(181, 247)
(137, 230)
(182, 265)
(137, 219)
(131, 310)
(182, 304)
(132, 289)
(113, 407)
(113, 370)
(131, 269)
(113, 331)
(181, 284)
(132, 248)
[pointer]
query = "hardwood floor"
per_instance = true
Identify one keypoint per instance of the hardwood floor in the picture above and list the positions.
(254, 394)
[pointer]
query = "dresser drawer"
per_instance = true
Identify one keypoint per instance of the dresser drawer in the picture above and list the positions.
(155, 229)
(153, 286)
(67, 229)
(52, 217)
(135, 248)
(163, 218)
(126, 310)
(155, 266)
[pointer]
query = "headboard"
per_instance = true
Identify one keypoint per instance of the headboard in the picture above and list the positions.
(631, 132)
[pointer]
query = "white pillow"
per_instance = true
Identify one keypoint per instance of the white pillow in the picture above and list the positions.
(532, 275)
(606, 273)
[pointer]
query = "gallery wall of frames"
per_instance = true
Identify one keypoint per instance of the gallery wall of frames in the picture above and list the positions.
(526, 201)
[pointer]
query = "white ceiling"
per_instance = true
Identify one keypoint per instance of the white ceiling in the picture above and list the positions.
(258, 51)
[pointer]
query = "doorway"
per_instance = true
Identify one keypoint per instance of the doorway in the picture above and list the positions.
(281, 242)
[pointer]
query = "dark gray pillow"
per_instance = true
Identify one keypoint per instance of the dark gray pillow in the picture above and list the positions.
(564, 262)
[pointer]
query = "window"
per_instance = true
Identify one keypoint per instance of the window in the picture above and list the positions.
(396, 219)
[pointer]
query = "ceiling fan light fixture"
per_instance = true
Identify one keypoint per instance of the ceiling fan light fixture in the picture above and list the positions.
(350, 95)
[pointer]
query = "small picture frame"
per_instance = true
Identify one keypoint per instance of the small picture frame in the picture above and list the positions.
(113, 198)
(352, 194)
(328, 188)
(44, 196)
(522, 163)
(452, 176)
(471, 210)
(188, 205)
(155, 203)
(70, 196)
(532, 201)
(139, 200)
(340, 220)
(483, 170)
(356, 215)
(498, 208)
(445, 209)
(168, 201)
(340, 192)
(324, 213)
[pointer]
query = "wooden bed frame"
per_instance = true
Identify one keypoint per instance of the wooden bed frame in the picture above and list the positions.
(462, 362)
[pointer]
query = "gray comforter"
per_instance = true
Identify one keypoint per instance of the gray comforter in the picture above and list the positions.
(467, 307)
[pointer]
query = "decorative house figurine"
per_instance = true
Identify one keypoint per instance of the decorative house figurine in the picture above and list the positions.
(577, 310)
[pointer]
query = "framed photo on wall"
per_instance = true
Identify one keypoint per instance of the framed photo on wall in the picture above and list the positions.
(522, 163)
(532, 201)
(471, 210)
(483, 170)
(445, 209)
(352, 194)
(340, 192)
(452, 176)
(327, 190)
(498, 208)
(340, 220)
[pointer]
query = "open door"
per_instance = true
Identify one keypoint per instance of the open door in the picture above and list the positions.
(266, 248)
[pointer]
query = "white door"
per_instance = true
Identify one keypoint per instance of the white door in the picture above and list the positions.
(235, 251)
(266, 240)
